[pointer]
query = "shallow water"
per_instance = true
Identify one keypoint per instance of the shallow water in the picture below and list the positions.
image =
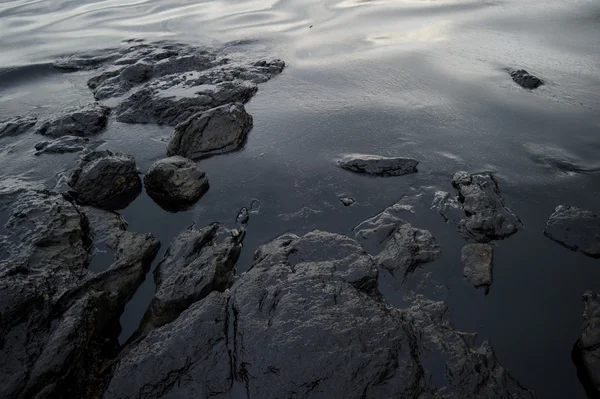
(419, 78)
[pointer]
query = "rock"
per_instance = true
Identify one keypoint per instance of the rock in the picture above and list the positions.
(313, 299)
(175, 183)
(525, 79)
(377, 165)
(61, 145)
(58, 318)
(347, 201)
(197, 263)
(376, 230)
(588, 344)
(486, 216)
(477, 259)
(243, 217)
(82, 121)
(448, 206)
(576, 229)
(105, 180)
(218, 130)
(17, 125)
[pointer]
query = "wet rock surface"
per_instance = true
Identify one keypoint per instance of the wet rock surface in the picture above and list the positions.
(83, 121)
(376, 165)
(175, 183)
(588, 344)
(300, 293)
(347, 201)
(216, 131)
(486, 216)
(57, 316)
(478, 261)
(105, 179)
(575, 228)
(525, 79)
(17, 125)
(62, 145)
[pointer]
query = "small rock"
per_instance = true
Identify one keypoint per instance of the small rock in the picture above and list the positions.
(589, 341)
(105, 180)
(478, 259)
(218, 130)
(175, 183)
(83, 121)
(576, 229)
(525, 79)
(347, 201)
(243, 216)
(448, 206)
(17, 125)
(377, 165)
(62, 145)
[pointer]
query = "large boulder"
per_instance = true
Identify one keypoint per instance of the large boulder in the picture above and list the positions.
(218, 130)
(58, 317)
(575, 228)
(105, 179)
(17, 125)
(175, 183)
(377, 165)
(81, 121)
(307, 321)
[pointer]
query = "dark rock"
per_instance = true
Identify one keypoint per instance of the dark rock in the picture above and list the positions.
(477, 259)
(486, 216)
(347, 201)
(197, 263)
(106, 180)
(589, 341)
(57, 317)
(525, 79)
(448, 206)
(377, 165)
(175, 183)
(62, 145)
(243, 217)
(83, 121)
(576, 229)
(312, 299)
(217, 130)
(17, 125)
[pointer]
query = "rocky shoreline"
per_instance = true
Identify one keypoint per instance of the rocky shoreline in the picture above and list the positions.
(306, 320)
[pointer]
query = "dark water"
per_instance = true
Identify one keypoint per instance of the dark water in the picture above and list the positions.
(425, 79)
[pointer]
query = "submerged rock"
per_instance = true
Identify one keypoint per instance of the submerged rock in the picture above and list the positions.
(175, 183)
(57, 316)
(486, 216)
(589, 342)
(17, 125)
(312, 299)
(525, 79)
(82, 121)
(347, 201)
(377, 165)
(217, 130)
(105, 179)
(448, 206)
(62, 145)
(576, 229)
(477, 259)
(198, 262)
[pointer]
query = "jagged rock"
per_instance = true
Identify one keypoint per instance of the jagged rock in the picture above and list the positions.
(347, 201)
(197, 263)
(377, 165)
(589, 342)
(448, 206)
(376, 230)
(62, 145)
(56, 316)
(576, 229)
(175, 183)
(243, 217)
(82, 121)
(486, 216)
(106, 180)
(313, 300)
(17, 125)
(525, 79)
(218, 130)
(477, 259)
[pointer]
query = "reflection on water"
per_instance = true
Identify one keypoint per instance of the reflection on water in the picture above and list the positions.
(419, 78)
